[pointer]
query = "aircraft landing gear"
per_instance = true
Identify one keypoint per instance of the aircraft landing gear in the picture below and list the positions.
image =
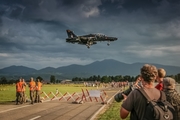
(88, 46)
(89, 43)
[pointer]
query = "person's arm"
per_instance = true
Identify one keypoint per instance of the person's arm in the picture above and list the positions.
(123, 113)
(25, 84)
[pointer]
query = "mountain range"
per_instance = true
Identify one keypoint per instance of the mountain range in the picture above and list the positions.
(107, 67)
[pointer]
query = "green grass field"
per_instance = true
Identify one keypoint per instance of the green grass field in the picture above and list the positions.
(8, 92)
(112, 112)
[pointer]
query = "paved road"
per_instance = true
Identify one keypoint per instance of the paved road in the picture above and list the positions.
(55, 110)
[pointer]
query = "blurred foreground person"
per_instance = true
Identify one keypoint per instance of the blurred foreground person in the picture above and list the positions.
(32, 88)
(19, 87)
(38, 90)
(160, 77)
(172, 95)
(140, 102)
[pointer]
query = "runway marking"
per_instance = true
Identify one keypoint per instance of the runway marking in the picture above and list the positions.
(35, 118)
(14, 108)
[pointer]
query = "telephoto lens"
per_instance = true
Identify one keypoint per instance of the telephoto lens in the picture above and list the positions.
(119, 97)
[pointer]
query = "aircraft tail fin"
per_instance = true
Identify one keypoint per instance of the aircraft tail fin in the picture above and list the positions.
(70, 34)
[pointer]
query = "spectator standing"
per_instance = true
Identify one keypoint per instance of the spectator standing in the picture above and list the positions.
(32, 88)
(57, 91)
(172, 95)
(19, 88)
(135, 102)
(160, 77)
(38, 90)
(23, 90)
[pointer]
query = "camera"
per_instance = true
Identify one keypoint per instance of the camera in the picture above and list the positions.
(118, 97)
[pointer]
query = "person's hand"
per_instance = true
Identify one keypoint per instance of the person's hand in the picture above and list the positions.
(125, 96)
(137, 86)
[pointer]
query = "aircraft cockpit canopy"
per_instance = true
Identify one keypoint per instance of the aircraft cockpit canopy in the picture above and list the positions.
(99, 35)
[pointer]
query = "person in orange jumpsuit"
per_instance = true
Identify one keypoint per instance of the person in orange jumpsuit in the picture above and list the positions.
(24, 90)
(19, 92)
(38, 90)
(32, 89)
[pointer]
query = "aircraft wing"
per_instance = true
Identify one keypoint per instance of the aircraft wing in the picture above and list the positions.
(71, 40)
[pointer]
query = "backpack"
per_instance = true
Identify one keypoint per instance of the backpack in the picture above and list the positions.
(157, 110)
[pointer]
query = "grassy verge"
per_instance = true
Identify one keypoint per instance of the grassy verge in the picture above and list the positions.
(111, 112)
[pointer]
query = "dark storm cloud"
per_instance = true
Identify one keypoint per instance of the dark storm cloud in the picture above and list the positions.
(6, 45)
(15, 8)
(40, 9)
(147, 30)
(161, 10)
(69, 10)
(134, 5)
(70, 3)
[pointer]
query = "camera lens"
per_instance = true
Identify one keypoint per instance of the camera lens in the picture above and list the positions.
(118, 97)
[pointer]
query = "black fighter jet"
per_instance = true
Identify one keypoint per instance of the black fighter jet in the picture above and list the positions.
(89, 39)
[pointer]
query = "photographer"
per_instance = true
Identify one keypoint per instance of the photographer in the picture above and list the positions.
(135, 103)
(120, 96)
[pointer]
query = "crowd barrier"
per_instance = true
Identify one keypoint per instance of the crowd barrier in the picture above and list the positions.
(97, 95)
(67, 96)
(84, 96)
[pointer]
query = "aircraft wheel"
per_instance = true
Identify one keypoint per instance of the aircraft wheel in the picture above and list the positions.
(88, 46)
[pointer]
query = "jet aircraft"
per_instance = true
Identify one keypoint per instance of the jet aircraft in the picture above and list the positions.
(89, 39)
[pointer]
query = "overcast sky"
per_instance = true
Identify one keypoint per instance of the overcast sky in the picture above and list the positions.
(33, 32)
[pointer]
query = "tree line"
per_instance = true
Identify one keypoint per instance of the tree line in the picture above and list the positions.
(118, 78)
(98, 78)
(4, 80)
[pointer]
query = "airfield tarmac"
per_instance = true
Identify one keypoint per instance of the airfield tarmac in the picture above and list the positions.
(56, 110)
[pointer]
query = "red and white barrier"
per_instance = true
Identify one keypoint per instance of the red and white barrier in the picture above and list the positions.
(55, 95)
(63, 96)
(86, 95)
(96, 94)
(67, 96)
(45, 97)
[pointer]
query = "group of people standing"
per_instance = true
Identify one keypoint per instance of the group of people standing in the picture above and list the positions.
(34, 91)
(135, 103)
